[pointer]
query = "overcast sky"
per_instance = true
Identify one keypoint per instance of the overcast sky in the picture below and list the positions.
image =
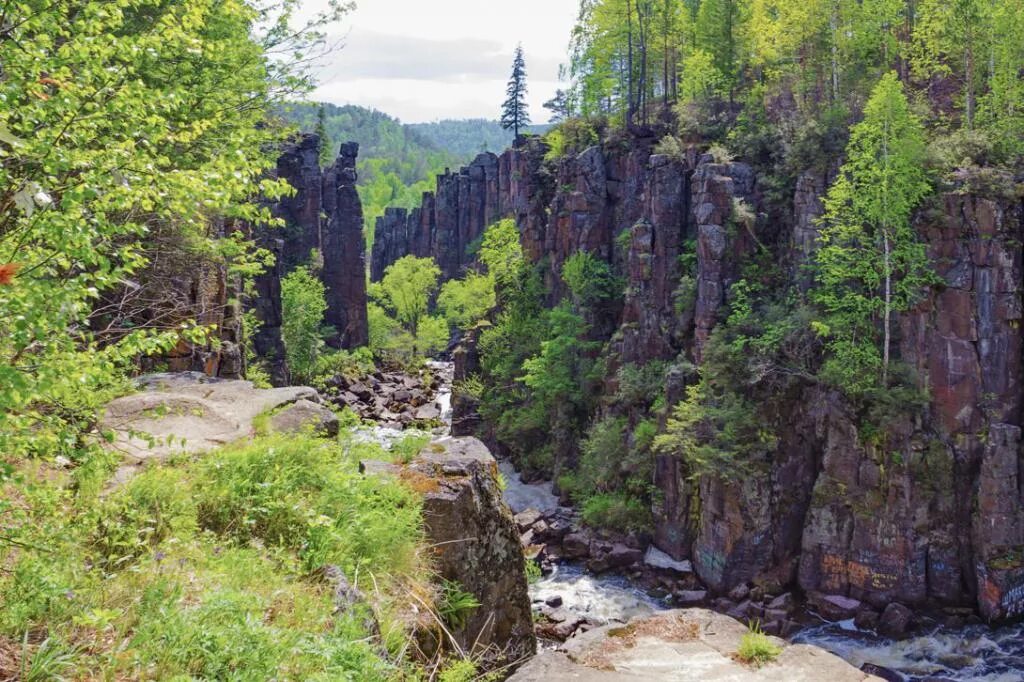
(424, 60)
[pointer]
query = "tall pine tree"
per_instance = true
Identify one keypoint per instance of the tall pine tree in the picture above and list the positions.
(515, 114)
(326, 146)
(871, 262)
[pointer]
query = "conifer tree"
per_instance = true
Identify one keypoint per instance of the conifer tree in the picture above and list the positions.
(515, 114)
(871, 263)
(326, 146)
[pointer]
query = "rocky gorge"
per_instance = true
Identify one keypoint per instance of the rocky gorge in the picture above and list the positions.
(831, 526)
(828, 515)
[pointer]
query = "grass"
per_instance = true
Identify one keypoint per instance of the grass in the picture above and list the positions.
(756, 648)
(209, 568)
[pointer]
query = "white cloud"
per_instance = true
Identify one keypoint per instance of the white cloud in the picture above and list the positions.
(421, 61)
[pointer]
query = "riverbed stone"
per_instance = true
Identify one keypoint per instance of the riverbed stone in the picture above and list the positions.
(835, 607)
(690, 644)
(895, 620)
(305, 415)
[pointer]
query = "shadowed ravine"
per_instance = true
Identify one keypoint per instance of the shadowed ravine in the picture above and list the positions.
(971, 654)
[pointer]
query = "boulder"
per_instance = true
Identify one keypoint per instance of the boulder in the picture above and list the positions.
(428, 413)
(784, 602)
(576, 546)
(655, 558)
(836, 607)
(476, 543)
(895, 620)
(691, 597)
(188, 413)
(305, 415)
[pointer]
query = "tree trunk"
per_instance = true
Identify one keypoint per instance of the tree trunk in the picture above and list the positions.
(888, 306)
(630, 110)
(834, 27)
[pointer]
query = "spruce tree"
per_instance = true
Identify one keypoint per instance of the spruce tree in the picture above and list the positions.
(326, 146)
(871, 262)
(514, 113)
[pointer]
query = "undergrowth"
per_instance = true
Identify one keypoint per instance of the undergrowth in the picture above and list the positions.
(208, 568)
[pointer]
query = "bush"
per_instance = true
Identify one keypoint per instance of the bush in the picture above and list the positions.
(293, 492)
(756, 648)
(590, 280)
(617, 512)
(302, 307)
(464, 302)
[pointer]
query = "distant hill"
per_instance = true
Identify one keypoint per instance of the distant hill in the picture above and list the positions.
(469, 137)
(398, 162)
(403, 150)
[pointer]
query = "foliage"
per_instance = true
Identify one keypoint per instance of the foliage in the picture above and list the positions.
(572, 136)
(400, 322)
(122, 122)
(502, 255)
(756, 648)
(590, 280)
(302, 310)
(616, 512)
(464, 302)
(468, 137)
(871, 263)
(456, 604)
(533, 572)
(515, 113)
(715, 60)
(209, 569)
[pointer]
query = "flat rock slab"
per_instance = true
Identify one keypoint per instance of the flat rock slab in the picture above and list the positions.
(306, 415)
(680, 645)
(188, 413)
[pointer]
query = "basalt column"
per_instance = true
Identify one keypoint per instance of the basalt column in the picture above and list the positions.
(344, 252)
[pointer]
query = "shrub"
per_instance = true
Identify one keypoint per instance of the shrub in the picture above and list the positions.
(464, 302)
(590, 279)
(756, 648)
(617, 512)
(293, 492)
(302, 307)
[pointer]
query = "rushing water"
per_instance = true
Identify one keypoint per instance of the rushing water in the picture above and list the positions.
(971, 654)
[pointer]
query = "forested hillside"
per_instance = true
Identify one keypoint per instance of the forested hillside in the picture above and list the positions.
(398, 162)
(467, 138)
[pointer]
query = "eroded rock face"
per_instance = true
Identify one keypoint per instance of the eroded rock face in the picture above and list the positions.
(476, 544)
(344, 253)
(829, 511)
(323, 215)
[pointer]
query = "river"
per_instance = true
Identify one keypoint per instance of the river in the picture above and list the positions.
(970, 654)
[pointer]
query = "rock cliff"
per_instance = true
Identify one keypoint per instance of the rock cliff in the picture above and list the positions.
(324, 214)
(941, 522)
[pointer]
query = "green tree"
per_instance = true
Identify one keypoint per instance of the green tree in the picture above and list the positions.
(326, 145)
(1001, 110)
(302, 309)
(464, 302)
(515, 114)
(871, 262)
(120, 122)
(953, 37)
(405, 293)
(719, 27)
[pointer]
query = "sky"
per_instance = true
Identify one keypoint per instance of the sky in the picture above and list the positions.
(425, 60)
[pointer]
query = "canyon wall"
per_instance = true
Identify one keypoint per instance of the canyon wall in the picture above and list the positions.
(934, 517)
(325, 215)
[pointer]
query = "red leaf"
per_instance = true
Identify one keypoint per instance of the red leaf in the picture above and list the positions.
(8, 271)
